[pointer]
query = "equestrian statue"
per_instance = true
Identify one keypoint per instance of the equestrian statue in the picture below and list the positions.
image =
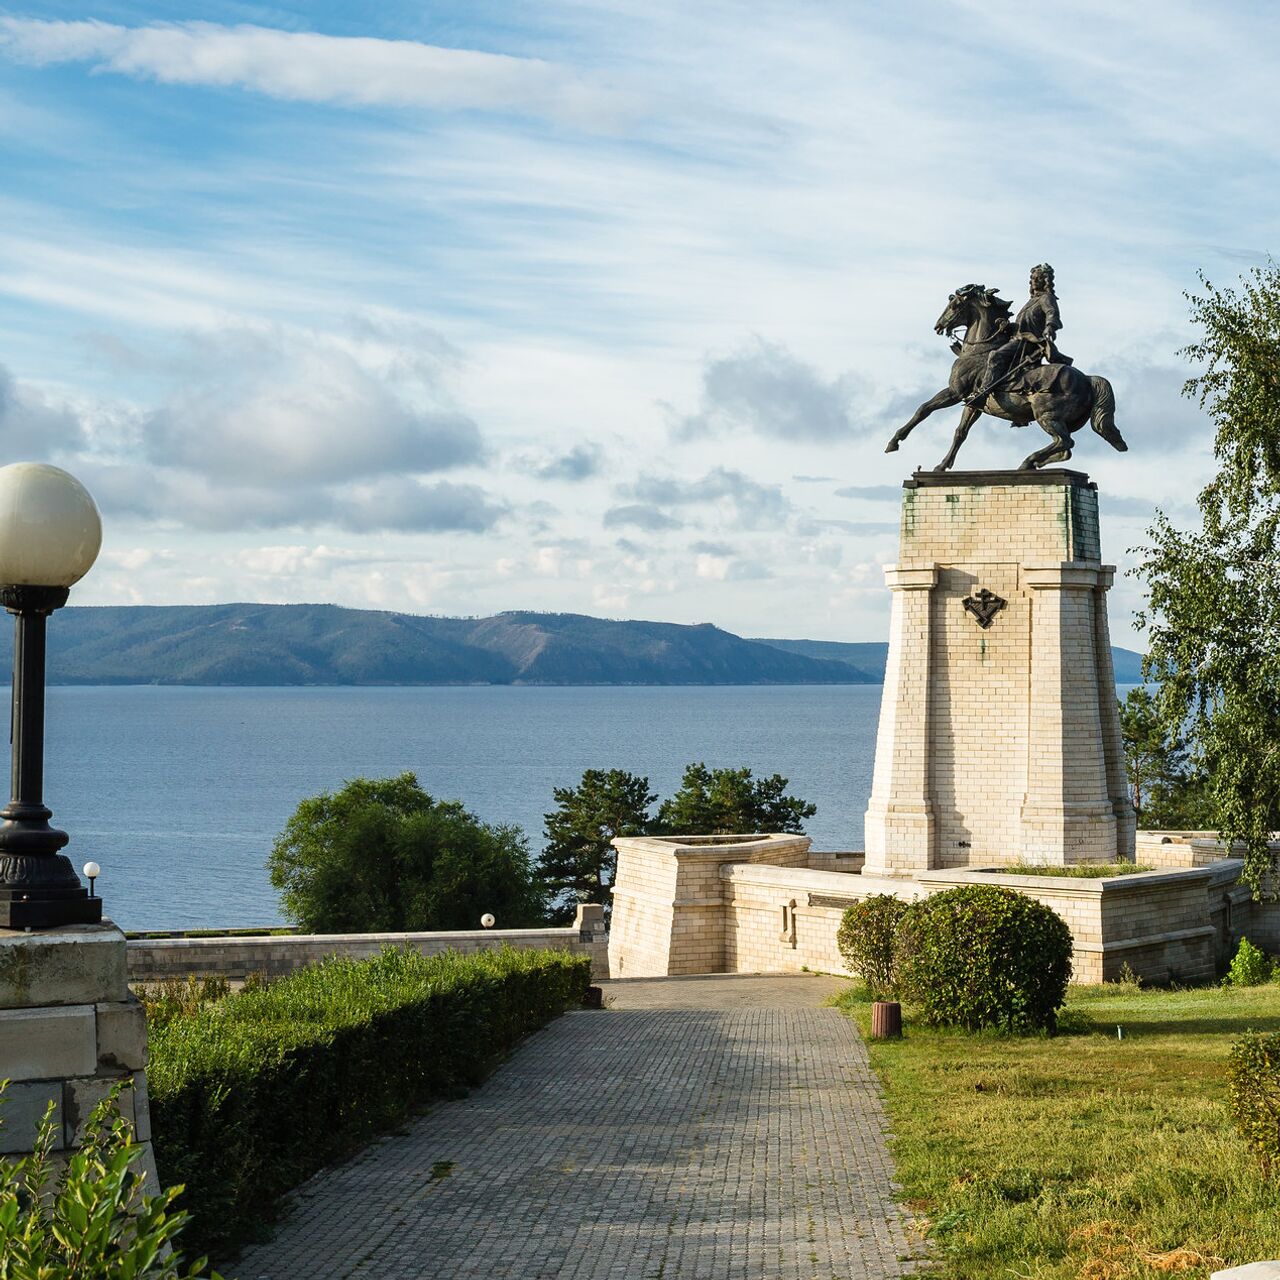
(1014, 370)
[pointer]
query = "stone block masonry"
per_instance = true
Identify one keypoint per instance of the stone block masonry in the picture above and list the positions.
(1173, 924)
(999, 736)
(70, 1032)
(668, 914)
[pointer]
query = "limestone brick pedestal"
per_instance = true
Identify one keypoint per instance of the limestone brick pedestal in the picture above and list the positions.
(999, 736)
(69, 1031)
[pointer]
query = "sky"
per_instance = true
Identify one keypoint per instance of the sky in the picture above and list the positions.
(596, 307)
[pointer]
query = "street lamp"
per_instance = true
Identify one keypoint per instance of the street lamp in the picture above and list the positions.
(50, 532)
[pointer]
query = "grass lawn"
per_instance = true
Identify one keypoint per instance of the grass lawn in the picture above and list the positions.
(1082, 1156)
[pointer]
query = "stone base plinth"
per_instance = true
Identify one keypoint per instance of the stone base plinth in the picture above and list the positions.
(999, 735)
(70, 1031)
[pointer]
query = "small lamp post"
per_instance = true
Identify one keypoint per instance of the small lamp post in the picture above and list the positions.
(50, 533)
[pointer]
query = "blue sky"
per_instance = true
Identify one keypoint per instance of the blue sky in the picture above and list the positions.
(596, 307)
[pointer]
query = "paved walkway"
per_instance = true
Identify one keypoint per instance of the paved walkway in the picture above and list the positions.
(698, 1129)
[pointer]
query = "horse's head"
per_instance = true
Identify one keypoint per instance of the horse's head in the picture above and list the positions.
(968, 308)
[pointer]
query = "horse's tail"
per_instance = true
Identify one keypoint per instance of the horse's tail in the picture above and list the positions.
(1104, 414)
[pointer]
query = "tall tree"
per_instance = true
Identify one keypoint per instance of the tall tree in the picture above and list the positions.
(1169, 791)
(1214, 592)
(578, 860)
(381, 855)
(730, 801)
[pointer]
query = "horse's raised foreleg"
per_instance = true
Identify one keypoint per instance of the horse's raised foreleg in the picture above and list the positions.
(943, 400)
(1057, 450)
(967, 419)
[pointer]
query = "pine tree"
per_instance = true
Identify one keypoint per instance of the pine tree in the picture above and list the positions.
(579, 860)
(731, 801)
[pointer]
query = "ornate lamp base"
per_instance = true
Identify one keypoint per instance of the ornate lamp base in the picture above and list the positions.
(42, 891)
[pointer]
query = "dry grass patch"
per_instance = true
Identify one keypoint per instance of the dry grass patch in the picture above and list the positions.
(1083, 1156)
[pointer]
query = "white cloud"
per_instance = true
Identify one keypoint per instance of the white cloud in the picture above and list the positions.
(308, 67)
(744, 502)
(32, 426)
(299, 408)
(762, 387)
(449, 253)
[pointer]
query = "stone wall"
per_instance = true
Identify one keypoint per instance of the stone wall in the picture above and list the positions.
(784, 919)
(1164, 925)
(70, 1031)
(668, 899)
(234, 958)
(690, 908)
(1185, 848)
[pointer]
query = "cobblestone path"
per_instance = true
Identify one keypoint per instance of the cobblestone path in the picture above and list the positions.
(697, 1129)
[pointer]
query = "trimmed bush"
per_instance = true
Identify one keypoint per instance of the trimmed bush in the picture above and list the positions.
(1254, 1074)
(253, 1094)
(867, 939)
(1250, 967)
(982, 956)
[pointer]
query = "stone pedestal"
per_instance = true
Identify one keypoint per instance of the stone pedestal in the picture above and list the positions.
(69, 1031)
(999, 734)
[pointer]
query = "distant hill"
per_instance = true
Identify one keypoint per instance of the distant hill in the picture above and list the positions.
(320, 644)
(869, 658)
(254, 644)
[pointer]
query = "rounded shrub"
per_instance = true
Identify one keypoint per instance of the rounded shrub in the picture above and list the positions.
(981, 956)
(867, 939)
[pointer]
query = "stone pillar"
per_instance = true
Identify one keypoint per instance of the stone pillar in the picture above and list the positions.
(593, 937)
(999, 738)
(1068, 815)
(1109, 718)
(899, 825)
(70, 1030)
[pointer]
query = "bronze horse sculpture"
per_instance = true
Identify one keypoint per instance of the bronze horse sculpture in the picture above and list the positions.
(1056, 396)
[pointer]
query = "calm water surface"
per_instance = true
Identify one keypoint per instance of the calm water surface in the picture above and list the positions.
(178, 793)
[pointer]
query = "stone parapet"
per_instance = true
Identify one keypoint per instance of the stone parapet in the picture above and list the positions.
(668, 899)
(70, 1032)
(1160, 924)
(1172, 925)
(1187, 848)
(272, 956)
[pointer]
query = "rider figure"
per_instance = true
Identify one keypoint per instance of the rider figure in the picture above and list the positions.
(1034, 330)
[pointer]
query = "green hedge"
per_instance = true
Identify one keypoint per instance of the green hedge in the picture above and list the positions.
(1254, 1072)
(252, 1095)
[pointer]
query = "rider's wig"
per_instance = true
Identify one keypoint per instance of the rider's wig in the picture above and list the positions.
(1045, 270)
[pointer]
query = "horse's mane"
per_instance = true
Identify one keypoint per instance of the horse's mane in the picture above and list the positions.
(999, 305)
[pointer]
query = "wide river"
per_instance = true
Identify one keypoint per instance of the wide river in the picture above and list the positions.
(179, 792)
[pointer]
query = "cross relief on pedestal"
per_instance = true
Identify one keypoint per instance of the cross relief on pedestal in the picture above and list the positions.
(984, 606)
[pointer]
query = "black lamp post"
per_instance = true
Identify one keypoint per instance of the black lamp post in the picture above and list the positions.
(50, 532)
